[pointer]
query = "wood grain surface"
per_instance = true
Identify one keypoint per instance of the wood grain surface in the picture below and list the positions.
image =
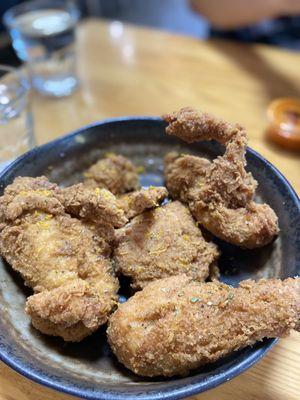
(126, 70)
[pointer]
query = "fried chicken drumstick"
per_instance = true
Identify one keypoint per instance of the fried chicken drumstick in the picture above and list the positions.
(63, 259)
(219, 193)
(163, 242)
(175, 325)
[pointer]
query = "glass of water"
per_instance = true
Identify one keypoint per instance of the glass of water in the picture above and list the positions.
(43, 35)
(16, 132)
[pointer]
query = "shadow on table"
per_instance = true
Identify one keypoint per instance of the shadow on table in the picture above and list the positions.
(276, 84)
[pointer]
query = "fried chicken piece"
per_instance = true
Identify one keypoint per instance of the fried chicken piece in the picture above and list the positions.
(163, 242)
(96, 205)
(115, 173)
(182, 172)
(219, 194)
(120, 176)
(63, 259)
(175, 325)
(134, 203)
(28, 194)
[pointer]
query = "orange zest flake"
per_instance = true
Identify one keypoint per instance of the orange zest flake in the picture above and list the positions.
(158, 251)
(105, 194)
(42, 192)
(44, 221)
(43, 224)
(183, 261)
(123, 253)
(37, 213)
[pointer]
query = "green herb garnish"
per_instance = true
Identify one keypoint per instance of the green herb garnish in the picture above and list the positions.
(194, 299)
(230, 296)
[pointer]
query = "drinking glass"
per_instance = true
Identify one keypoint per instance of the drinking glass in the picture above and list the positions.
(16, 130)
(43, 35)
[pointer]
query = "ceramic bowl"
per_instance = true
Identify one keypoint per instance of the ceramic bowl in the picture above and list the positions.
(89, 369)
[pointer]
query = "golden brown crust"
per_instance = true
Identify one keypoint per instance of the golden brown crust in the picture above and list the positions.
(72, 311)
(163, 242)
(96, 205)
(182, 172)
(175, 325)
(250, 227)
(29, 194)
(221, 188)
(192, 125)
(114, 173)
(134, 203)
(63, 259)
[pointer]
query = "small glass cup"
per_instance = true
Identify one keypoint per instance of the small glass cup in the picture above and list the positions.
(43, 35)
(16, 128)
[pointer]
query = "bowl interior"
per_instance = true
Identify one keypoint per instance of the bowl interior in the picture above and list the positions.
(88, 369)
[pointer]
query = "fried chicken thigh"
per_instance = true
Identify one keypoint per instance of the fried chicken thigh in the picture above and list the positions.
(219, 193)
(115, 173)
(63, 259)
(175, 325)
(163, 242)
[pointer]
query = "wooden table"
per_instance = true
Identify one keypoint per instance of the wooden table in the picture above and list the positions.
(126, 70)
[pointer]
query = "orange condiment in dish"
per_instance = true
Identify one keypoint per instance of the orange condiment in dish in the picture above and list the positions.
(284, 117)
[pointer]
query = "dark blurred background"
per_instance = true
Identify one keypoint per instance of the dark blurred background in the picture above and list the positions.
(175, 16)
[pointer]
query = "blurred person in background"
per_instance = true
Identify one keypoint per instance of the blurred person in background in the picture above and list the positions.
(274, 22)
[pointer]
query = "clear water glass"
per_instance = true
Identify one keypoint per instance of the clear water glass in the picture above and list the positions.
(16, 128)
(43, 34)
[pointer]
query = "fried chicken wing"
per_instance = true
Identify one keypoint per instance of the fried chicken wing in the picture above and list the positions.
(63, 259)
(115, 173)
(163, 242)
(175, 325)
(219, 193)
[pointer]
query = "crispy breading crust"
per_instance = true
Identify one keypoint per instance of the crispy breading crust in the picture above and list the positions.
(183, 172)
(115, 173)
(220, 193)
(63, 259)
(135, 203)
(96, 205)
(163, 242)
(175, 325)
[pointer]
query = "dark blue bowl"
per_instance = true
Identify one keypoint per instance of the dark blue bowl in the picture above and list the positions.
(88, 369)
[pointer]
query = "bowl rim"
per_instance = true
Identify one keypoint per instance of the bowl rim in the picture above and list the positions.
(177, 392)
